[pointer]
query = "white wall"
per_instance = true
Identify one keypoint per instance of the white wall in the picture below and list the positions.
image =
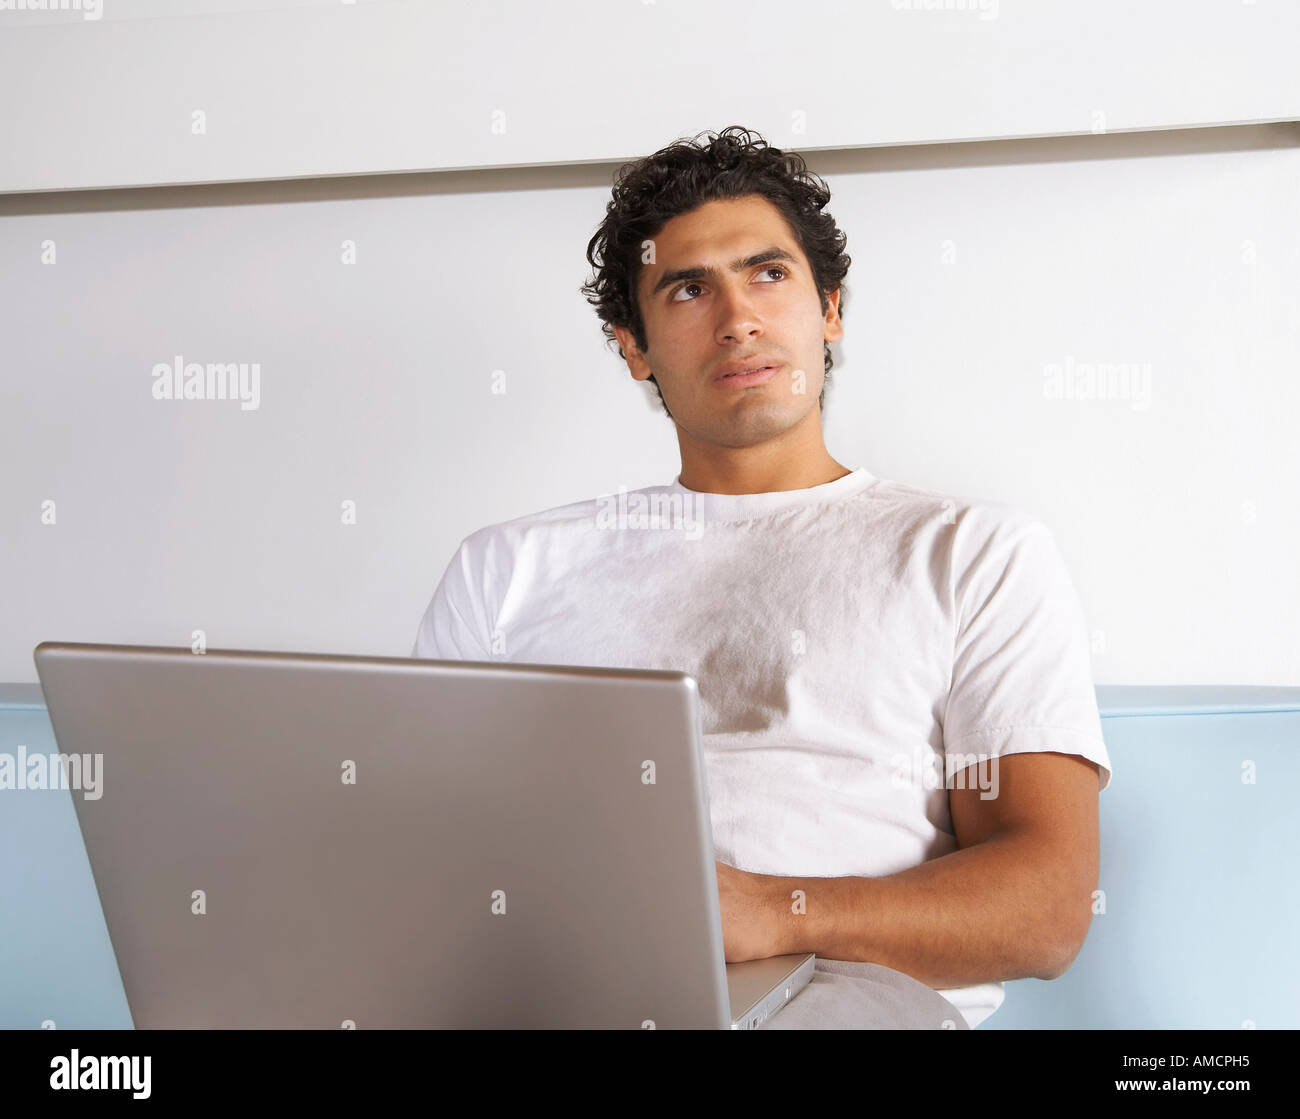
(975, 267)
(186, 91)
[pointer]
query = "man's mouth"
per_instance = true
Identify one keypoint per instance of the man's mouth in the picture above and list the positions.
(759, 375)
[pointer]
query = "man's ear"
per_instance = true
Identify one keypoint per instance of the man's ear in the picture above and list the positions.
(637, 364)
(834, 329)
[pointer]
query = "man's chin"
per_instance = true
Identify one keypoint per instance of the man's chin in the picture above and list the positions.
(746, 426)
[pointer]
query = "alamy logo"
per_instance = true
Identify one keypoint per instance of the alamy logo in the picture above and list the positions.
(929, 769)
(988, 9)
(214, 381)
(1084, 380)
(53, 771)
(662, 511)
(89, 9)
(76, 1071)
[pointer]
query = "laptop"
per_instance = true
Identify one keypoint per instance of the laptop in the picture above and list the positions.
(296, 840)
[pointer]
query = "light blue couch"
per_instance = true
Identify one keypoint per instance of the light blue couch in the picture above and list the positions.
(1202, 898)
(1201, 891)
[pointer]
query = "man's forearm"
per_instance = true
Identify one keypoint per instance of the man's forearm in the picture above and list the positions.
(993, 911)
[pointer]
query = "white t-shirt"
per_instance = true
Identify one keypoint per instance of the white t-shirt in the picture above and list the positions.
(846, 639)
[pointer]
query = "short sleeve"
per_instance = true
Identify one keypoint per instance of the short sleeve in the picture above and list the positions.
(448, 630)
(1022, 670)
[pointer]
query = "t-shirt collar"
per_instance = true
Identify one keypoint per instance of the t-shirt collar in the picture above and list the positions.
(739, 506)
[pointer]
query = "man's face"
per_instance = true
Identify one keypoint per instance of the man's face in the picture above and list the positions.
(762, 312)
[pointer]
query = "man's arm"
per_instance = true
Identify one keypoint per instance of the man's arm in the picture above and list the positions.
(1013, 901)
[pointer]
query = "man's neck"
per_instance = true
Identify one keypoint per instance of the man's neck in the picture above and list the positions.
(745, 470)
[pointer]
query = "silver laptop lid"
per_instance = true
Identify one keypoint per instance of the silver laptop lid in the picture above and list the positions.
(309, 840)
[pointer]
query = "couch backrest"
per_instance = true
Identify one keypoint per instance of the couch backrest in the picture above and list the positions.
(1201, 896)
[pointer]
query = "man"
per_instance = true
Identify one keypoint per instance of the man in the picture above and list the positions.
(902, 742)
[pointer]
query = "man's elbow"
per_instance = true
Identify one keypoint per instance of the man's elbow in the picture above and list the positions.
(1064, 944)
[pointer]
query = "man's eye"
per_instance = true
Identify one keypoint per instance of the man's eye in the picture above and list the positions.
(693, 284)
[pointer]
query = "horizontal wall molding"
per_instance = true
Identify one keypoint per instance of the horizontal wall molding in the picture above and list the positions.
(1163, 143)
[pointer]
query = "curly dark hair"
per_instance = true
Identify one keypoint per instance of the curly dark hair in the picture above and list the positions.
(680, 178)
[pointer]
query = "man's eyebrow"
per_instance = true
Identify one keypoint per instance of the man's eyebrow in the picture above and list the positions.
(698, 272)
